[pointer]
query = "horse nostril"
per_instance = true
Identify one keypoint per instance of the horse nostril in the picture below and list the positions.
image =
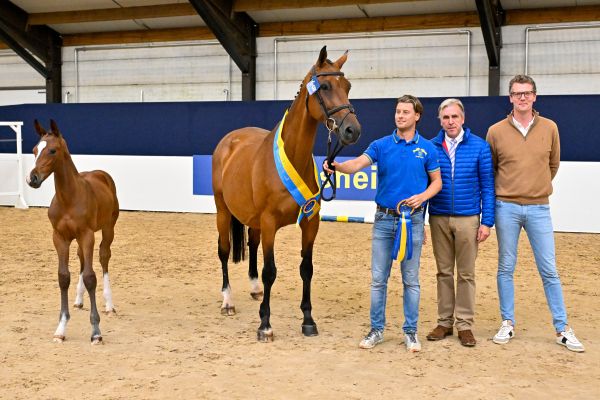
(351, 134)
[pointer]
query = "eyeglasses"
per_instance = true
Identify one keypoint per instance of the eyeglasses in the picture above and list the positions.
(517, 95)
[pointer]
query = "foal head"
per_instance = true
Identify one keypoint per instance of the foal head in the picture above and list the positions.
(327, 97)
(48, 152)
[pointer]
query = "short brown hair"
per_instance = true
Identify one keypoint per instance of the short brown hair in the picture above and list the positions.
(410, 99)
(521, 79)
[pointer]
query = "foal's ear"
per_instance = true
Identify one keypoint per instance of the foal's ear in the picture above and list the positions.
(54, 128)
(322, 56)
(39, 128)
(340, 61)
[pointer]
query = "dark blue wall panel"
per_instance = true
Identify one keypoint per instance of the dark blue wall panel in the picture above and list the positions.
(188, 128)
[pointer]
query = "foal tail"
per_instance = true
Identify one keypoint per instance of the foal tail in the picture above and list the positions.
(237, 237)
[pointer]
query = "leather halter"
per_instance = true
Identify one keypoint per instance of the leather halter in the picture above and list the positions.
(328, 113)
(332, 126)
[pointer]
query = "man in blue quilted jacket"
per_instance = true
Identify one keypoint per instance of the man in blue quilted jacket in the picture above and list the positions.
(454, 219)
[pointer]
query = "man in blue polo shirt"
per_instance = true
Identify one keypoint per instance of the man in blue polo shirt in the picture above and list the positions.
(407, 171)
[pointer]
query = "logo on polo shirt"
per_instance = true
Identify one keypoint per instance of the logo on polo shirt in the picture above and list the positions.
(419, 152)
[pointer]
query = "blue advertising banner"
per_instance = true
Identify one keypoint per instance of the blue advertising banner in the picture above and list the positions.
(359, 186)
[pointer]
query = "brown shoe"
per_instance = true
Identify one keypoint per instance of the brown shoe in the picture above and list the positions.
(439, 332)
(466, 338)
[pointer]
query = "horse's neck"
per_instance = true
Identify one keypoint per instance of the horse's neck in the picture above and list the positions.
(298, 134)
(66, 180)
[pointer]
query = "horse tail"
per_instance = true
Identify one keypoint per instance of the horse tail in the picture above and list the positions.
(237, 236)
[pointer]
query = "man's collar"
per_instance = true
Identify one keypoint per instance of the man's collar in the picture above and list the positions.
(459, 138)
(398, 139)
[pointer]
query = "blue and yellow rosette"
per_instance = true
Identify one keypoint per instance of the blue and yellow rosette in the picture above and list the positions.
(307, 200)
(403, 245)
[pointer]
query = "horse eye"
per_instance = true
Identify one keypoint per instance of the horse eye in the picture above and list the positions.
(325, 86)
(52, 151)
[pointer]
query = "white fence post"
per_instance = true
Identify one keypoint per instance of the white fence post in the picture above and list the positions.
(16, 126)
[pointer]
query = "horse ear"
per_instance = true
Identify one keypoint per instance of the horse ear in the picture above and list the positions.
(322, 56)
(54, 128)
(340, 61)
(39, 128)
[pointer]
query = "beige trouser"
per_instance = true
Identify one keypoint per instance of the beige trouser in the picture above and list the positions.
(454, 240)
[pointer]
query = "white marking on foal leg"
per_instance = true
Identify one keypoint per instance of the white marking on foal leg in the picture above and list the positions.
(227, 308)
(79, 293)
(59, 334)
(108, 294)
(255, 290)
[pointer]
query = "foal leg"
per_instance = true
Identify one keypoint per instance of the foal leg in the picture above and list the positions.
(86, 243)
(223, 221)
(253, 242)
(64, 279)
(309, 233)
(80, 286)
(108, 234)
(269, 273)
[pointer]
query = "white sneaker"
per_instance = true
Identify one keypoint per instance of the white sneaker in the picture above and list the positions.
(568, 339)
(506, 332)
(373, 338)
(412, 342)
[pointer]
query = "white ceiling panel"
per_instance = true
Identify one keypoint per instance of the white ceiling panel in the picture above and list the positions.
(516, 4)
(43, 6)
(419, 7)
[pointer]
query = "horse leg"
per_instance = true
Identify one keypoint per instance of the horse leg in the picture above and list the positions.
(86, 243)
(309, 233)
(64, 280)
(269, 273)
(253, 242)
(108, 234)
(223, 223)
(80, 286)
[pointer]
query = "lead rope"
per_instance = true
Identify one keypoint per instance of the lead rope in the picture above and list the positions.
(330, 178)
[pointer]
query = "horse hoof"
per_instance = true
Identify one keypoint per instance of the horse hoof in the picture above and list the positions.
(228, 310)
(257, 295)
(110, 312)
(310, 330)
(97, 340)
(79, 306)
(264, 336)
(58, 338)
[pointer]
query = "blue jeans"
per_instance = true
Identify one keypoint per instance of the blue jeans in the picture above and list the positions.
(384, 231)
(536, 221)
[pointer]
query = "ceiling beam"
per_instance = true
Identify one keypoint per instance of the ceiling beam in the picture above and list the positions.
(380, 24)
(268, 5)
(112, 14)
(145, 36)
(34, 44)
(236, 32)
(552, 15)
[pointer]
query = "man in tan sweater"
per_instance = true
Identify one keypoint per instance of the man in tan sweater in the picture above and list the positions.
(526, 155)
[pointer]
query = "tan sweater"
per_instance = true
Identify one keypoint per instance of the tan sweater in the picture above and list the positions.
(524, 166)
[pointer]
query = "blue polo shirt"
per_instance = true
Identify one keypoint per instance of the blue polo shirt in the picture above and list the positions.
(402, 167)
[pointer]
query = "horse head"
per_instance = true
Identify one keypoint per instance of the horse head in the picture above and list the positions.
(49, 149)
(327, 98)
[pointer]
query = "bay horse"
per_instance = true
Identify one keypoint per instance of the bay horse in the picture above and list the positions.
(249, 191)
(84, 203)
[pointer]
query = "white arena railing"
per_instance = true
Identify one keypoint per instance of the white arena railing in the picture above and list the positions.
(11, 158)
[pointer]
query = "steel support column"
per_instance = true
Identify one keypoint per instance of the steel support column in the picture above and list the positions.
(491, 18)
(34, 43)
(236, 32)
